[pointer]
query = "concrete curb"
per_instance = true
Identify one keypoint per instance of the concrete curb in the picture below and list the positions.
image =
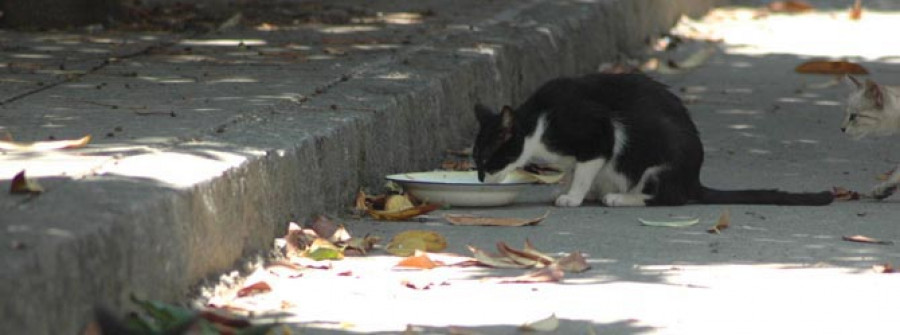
(293, 159)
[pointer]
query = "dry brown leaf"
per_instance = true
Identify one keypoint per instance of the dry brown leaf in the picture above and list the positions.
(22, 185)
(45, 145)
(255, 288)
(494, 260)
(843, 194)
(404, 214)
(521, 257)
(830, 67)
(550, 274)
(529, 248)
(574, 262)
(790, 6)
(856, 10)
(548, 324)
(360, 245)
(884, 268)
(472, 220)
(722, 224)
(360, 202)
(865, 239)
(419, 260)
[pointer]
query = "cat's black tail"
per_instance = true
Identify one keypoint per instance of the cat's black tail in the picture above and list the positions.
(764, 197)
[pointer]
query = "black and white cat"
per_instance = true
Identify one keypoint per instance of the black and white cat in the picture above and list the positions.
(624, 135)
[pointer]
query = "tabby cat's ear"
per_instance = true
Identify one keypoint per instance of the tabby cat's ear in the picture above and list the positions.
(483, 113)
(852, 82)
(506, 117)
(873, 93)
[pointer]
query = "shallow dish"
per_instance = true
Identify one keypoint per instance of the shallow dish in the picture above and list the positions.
(461, 188)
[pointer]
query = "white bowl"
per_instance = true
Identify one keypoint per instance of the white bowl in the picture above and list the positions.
(460, 188)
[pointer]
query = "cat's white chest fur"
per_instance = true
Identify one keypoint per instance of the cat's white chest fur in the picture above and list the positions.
(606, 180)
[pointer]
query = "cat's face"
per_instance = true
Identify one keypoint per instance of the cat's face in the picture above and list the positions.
(866, 113)
(494, 149)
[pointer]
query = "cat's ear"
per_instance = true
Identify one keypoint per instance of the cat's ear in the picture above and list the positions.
(874, 93)
(483, 113)
(852, 82)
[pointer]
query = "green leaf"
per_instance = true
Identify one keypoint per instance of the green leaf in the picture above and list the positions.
(321, 254)
(165, 316)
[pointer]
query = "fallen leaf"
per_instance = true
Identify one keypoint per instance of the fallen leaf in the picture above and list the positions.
(548, 324)
(362, 245)
(884, 268)
(722, 224)
(419, 260)
(548, 274)
(255, 288)
(340, 236)
(678, 222)
(21, 184)
(529, 248)
(397, 202)
(360, 202)
(45, 145)
(520, 257)
(865, 239)
(495, 260)
(843, 194)
(322, 249)
(574, 262)
(790, 6)
(407, 242)
(856, 10)
(830, 67)
(472, 220)
(404, 214)
(420, 284)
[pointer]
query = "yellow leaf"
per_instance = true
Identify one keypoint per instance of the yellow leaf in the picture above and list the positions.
(404, 214)
(44, 145)
(407, 242)
(397, 202)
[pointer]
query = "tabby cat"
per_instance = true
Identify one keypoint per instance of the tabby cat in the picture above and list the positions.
(874, 109)
(623, 135)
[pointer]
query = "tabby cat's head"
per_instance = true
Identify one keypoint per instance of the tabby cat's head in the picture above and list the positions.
(869, 110)
(494, 148)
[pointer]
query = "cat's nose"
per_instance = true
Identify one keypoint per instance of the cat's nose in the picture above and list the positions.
(843, 129)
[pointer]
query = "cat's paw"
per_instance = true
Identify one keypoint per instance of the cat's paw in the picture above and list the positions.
(883, 190)
(566, 200)
(622, 200)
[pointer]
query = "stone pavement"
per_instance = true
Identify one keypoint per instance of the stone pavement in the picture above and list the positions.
(205, 145)
(775, 270)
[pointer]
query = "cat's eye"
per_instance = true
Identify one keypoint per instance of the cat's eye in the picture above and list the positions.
(853, 117)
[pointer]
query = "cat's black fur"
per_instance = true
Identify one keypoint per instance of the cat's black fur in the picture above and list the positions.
(580, 113)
